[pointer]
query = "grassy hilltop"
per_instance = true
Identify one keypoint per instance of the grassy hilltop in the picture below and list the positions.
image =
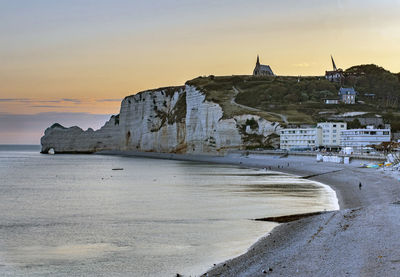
(299, 100)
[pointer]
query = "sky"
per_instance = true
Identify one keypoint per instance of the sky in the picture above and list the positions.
(77, 59)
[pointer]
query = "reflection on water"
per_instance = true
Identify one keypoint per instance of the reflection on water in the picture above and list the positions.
(72, 215)
(35, 254)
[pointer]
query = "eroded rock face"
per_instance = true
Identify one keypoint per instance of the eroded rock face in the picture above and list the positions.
(76, 140)
(206, 131)
(154, 121)
(174, 120)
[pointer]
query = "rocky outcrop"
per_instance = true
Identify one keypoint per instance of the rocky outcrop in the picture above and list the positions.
(173, 120)
(154, 121)
(206, 131)
(76, 140)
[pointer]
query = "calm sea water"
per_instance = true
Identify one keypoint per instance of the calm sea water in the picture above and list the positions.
(72, 215)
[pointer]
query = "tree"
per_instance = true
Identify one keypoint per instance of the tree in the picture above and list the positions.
(355, 124)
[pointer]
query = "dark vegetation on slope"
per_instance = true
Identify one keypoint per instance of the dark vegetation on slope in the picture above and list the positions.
(170, 116)
(178, 113)
(301, 99)
(219, 89)
(168, 91)
(374, 79)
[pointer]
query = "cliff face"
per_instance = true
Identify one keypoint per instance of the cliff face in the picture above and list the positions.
(75, 140)
(154, 121)
(205, 130)
(176, 119)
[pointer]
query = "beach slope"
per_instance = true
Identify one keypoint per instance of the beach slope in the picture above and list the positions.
(360, 239)
(351, 242)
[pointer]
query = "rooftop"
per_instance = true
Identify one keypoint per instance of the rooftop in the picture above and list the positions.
(348, 91)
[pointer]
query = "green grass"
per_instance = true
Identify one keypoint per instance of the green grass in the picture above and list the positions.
(220, 90)
(299, 99)
(268, 94)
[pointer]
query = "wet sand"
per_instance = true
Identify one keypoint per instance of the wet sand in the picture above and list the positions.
(361, 239)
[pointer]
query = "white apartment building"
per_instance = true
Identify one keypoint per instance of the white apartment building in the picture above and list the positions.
(300, 138)
(331, 132)
(358, 138)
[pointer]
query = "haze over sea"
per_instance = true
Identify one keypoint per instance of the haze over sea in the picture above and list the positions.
(68, 215)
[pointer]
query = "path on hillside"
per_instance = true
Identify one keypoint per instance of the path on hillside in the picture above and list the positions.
(233, 102)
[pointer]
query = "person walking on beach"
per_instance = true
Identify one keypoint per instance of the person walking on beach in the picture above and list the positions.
(359, 185)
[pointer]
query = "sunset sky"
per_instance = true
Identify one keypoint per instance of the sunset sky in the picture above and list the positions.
(72, 61)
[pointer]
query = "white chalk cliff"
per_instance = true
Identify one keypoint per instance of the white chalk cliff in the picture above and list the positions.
(173, 120)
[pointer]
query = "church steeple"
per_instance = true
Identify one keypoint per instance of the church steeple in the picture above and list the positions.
(333, 64)
(261, 69)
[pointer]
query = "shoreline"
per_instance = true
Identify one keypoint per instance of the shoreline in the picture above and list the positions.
(336, 176)
(362, 213)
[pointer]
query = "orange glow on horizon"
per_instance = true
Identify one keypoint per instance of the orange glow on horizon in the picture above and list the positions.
(125, 55)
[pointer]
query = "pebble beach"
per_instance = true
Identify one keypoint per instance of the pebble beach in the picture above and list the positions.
(360, 239)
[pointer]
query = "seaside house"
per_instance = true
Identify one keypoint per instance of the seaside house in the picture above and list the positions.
(331, 133)
(347, 95)
(359, 138)
(300, 138)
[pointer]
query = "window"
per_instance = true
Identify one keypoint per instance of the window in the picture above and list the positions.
(386, 133)
(341, 125)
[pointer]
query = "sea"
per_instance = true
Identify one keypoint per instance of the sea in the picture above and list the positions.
(73, 215)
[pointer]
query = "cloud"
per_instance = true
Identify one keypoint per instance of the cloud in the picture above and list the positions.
(301, 65)
(30, 100)
(49, 101)
(109, 100)
(72, 100)
(33, 100)
(34, 105)
(27, 129)
(48, 106)
(15, 100)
